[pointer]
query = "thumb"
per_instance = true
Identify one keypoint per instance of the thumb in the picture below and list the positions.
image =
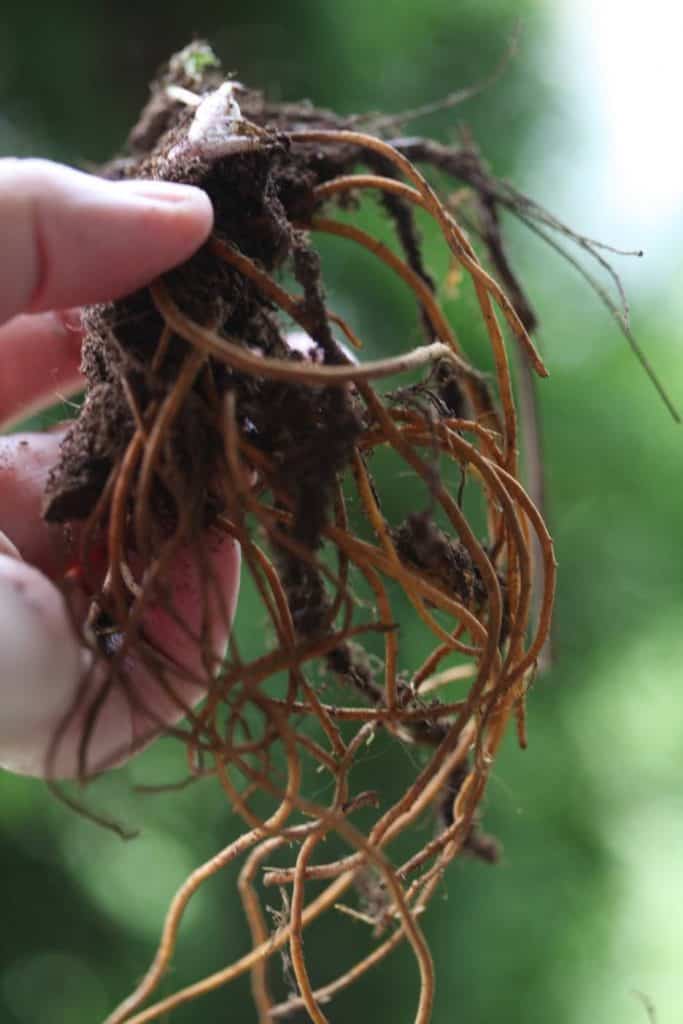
(47, 690)
(40, 663)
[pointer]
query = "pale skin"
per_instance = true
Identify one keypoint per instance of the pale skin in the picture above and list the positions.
(69, 239)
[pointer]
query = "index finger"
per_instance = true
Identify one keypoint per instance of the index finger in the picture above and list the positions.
(70, 238)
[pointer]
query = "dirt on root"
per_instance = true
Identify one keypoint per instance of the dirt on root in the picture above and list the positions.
(261, 200)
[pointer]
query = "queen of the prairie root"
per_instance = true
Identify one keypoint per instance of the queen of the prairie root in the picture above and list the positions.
(203, 418)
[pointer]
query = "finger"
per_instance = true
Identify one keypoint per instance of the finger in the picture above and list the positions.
(46, 690)
(40, 665)
(25, 462)
(75, 238)
(39, 363)
(47, 693)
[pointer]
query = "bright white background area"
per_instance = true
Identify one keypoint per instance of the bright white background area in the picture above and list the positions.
(610, 161)
(621, 64)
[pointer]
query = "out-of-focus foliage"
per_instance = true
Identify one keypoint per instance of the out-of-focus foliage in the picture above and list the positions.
(579, 913)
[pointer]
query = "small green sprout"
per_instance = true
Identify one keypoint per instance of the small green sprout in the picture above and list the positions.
(196, 58)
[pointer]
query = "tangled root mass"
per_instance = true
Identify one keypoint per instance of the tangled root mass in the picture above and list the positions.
(201, 415)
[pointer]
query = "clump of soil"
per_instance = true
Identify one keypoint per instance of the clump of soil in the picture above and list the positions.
(202, 414)
(259, 199)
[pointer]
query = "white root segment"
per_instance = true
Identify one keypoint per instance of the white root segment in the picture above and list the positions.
(218, 128)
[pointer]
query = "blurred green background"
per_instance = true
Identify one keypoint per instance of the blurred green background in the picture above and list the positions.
(586, 906)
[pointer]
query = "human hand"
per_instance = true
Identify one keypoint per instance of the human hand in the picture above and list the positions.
(69, 239)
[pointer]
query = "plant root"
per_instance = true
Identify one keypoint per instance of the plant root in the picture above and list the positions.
(201, 415)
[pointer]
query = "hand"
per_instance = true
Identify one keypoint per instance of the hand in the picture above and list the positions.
(69, 239)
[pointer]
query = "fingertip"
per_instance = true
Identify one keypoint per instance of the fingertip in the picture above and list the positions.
(186, 209)
(200, 213)
(203, 211)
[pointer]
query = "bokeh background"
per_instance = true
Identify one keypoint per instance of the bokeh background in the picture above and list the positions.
(586, 908)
